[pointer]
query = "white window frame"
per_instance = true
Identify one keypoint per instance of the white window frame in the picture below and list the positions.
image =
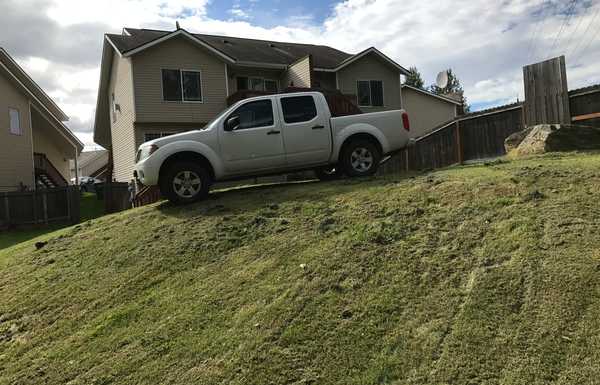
(19, 131)
(161, 134)
(181, 71)
(370, 93)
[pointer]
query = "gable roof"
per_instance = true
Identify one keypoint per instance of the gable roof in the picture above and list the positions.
(441, 97)
(42, 101)
(11, 66)
(238, 50)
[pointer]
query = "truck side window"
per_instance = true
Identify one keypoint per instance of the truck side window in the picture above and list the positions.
(255, 114)
(298, 109)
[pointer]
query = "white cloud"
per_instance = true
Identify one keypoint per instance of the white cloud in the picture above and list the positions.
(486, 43)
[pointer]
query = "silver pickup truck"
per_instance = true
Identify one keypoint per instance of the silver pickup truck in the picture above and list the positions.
(268, 135)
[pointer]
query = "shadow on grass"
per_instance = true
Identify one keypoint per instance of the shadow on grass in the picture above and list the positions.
(252, 197)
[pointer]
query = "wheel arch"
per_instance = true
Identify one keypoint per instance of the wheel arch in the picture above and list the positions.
(186, 156)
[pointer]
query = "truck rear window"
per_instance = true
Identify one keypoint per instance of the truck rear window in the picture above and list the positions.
(298, 109)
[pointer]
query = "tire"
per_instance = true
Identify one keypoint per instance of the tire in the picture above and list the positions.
(328, 173)
(185, 182)
(360, 157)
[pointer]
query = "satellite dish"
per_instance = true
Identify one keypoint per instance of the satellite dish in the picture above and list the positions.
(442, 79)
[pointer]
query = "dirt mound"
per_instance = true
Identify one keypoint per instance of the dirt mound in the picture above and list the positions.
(552, 138)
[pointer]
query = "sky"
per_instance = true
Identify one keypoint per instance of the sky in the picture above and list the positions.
(486, 43)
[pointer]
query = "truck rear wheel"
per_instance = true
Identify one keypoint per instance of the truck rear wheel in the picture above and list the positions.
(360, 158)
(185, 182)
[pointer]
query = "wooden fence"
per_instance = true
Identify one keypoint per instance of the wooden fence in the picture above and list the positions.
(468, 138)
(60, 204)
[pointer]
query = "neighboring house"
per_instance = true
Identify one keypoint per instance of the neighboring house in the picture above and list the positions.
(91, 163)
(427, 110)
(35, 145)
(156, 83)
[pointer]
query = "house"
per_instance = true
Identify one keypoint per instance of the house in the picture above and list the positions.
(427, 110)
(91, 163)
(156, 83)
(35, 144)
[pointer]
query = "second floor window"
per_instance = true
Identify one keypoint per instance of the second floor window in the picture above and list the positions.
(369, 93)
(181, 85)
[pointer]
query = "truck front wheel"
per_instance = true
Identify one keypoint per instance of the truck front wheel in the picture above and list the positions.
(360, 158)
(185, 182)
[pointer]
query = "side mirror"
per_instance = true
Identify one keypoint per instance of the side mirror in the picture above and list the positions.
(232, 123)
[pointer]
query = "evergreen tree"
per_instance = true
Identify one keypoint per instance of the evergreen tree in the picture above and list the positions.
(414, 79)
(453, 88)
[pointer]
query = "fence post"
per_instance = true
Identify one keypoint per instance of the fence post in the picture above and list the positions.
(7, 208)
(45, 205)
(35, 218)
(407, 158)
(459, 148)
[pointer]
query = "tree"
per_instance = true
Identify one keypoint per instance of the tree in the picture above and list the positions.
(453, 88)
(414, 79)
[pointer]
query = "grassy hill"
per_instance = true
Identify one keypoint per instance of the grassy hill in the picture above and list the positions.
(481, 274)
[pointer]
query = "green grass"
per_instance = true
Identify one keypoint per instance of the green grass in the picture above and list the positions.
(484, 274)
(90, 208)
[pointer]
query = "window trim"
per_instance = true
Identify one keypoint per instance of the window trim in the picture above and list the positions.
(10, 131)
(181, 71)
(370, 93)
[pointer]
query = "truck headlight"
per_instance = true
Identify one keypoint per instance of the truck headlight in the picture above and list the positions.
(145, 151)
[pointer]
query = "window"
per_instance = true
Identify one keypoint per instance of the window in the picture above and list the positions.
(15, 121)
(180, 85)
(242, 83)
(156, 135)
(370, 93)
(256, 84)
(298, 109)
(270, 85)
(255, 114)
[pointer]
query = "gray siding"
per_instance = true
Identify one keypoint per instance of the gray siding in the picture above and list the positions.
(425, 111)
(371, 67)
(123, 142)
(177, 53)
(16, 156)
(298, 74)
(325, 80)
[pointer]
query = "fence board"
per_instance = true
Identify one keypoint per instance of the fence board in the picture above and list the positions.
(546, 92)
(60, 204)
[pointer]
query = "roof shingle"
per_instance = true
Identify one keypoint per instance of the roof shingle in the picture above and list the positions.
(242, 49)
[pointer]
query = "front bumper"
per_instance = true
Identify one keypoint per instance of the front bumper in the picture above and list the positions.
(147, 171)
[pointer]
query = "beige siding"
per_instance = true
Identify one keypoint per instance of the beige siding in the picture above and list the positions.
(177, 53)
(371, 67)
(16, 156)
(298, 74)
(234, 72)
(48, 141)
(425, 111)
(123, 142)
(172, 128)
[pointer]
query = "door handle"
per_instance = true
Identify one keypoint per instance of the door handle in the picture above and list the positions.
(273, 132)
(318, 127)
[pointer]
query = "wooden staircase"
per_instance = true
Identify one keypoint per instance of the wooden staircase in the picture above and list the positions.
(46, 175)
